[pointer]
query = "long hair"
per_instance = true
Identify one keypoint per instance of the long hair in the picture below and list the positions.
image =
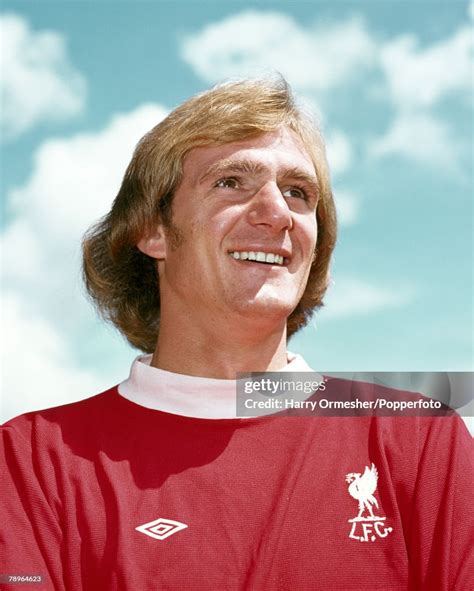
(122, 281)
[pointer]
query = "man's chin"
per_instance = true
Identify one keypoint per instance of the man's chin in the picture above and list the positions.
(265, 310)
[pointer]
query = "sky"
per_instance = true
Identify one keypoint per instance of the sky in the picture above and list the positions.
(391, 84)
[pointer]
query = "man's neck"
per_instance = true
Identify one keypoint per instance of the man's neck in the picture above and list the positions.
(219, 350)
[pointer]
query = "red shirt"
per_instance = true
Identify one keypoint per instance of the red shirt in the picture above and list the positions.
(262, 503)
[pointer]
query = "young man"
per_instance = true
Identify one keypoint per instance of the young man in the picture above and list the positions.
(216, 250)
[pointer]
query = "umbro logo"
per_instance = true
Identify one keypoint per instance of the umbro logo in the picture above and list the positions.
(161, 528)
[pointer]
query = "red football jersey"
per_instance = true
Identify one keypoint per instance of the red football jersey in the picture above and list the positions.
(106, 494)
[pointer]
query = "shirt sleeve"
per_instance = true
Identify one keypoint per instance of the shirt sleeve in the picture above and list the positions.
(441, 535)
(30, 532)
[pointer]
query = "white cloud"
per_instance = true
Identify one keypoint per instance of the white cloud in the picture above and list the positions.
(418, 79)
(339, 152)
(72, 184)
(347, 207)
(421, 77)
(422, 138)
(51, 378)
(38, 81)
(353, 297)
(340, 157)
(318, 57)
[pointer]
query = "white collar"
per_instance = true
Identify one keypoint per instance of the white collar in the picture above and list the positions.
(189, 396)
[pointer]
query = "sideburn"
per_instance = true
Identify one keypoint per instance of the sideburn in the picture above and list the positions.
(173, 234)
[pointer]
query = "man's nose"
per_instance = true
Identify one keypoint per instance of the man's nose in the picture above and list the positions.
(268, 207)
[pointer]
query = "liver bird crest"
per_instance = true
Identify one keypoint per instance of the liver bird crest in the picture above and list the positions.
(362, 489)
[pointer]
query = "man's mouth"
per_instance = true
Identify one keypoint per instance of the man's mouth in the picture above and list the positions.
(268, 258)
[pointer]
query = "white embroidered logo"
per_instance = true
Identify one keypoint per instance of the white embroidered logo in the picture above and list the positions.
(161, 528)
(362, 488)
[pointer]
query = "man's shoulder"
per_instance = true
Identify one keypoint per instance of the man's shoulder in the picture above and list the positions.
(393, 413)
(85, 411)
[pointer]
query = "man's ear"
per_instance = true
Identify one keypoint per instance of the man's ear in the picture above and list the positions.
(154, 243)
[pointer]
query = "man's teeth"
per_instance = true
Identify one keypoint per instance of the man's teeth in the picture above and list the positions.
(260, 257)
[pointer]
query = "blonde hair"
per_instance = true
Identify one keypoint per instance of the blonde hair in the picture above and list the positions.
(122, 281)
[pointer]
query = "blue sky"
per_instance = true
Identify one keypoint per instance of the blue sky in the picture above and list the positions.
(391, 83)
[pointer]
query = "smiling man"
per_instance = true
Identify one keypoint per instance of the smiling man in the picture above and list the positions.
(216, 250)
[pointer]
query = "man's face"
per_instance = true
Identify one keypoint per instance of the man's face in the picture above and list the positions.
(248, 199)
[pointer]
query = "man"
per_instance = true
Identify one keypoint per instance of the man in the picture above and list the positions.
(216, 250)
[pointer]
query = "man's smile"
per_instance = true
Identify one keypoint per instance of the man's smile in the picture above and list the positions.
(270, 258)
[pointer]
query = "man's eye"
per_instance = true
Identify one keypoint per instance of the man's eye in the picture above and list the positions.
(294, 192)
(227, 183)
